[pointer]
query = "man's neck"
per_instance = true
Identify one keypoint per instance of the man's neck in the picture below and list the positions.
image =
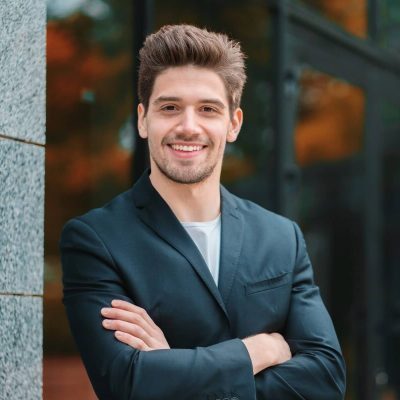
(195, 202)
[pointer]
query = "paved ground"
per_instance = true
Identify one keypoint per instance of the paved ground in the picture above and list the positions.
(64, 378)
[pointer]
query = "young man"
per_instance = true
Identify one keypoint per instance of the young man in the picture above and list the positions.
(179, 290)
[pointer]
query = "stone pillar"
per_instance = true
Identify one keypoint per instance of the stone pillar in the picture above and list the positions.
(22, 139)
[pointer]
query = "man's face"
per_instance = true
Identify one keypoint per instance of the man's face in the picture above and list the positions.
(188, 124)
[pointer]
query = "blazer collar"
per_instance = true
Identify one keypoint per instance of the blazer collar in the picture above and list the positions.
(232, 235)
(156, 214)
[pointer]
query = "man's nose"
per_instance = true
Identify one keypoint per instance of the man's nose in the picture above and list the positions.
(189, 122)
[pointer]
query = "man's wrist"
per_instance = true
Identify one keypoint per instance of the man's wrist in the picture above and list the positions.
(259, 354)
(266, 350)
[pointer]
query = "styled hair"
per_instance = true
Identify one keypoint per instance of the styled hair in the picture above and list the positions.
(180, 45)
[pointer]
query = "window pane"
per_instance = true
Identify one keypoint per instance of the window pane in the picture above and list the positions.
(88, 153)
(351, 15)
(390, 24)
(331, 119)
(328, 143)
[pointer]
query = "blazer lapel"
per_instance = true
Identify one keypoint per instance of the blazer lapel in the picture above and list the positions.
(156, 214)
(231, 244)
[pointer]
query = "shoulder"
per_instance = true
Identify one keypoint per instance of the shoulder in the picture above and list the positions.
(263, 225)
(255, 214)
(103, 220)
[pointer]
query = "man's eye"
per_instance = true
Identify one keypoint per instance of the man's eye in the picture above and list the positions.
(169, 107)
(209, 109)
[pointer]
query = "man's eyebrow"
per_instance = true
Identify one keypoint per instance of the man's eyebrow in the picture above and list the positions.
(216, 102)
(163, 99)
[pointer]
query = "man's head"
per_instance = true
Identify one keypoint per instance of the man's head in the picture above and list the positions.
(181, 45)
(190, 86)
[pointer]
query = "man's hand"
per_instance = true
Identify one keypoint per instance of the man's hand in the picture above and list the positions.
(133, 326)
(266, 350)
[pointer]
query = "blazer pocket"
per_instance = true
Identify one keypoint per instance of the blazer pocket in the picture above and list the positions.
(268, 284)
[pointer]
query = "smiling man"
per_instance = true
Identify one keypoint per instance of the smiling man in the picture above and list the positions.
(177, 289)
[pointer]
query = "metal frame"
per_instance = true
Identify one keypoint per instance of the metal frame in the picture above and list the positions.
(303, 36)
(143, 25)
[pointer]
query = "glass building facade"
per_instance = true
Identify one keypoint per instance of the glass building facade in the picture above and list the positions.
(320, 144)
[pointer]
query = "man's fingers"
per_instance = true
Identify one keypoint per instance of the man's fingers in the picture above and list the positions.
(128, 316)
(124, 305)
(134, 321)
(132, 341)
(131, 329)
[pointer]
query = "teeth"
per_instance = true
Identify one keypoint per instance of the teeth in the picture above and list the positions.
(186, 148)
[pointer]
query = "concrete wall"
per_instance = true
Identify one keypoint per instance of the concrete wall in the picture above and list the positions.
(22, 139)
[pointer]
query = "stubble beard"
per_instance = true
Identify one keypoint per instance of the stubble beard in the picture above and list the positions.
(185, 174)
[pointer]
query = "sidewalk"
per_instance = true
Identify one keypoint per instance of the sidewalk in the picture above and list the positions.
(64, 378)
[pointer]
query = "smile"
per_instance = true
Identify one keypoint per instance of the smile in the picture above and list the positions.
(186, 148)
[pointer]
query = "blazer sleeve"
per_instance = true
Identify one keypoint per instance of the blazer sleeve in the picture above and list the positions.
(316, 370)
(91, 280)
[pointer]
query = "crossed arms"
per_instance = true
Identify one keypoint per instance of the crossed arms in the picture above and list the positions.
(133, 326)
(141, 366)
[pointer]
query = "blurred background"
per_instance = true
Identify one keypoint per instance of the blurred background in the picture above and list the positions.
(320, 144)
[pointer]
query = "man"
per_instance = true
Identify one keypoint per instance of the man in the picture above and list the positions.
(177, 289)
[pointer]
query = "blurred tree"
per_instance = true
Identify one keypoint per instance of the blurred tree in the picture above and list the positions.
(89, 101)
(349, 14)
(89, 104)
(331, 119)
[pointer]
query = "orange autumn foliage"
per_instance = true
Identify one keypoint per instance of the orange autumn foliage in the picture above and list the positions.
(75, 68)
(331, 118)
(88, 101)
(349, 14)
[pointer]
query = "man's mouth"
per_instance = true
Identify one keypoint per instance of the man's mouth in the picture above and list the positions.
(186, 148)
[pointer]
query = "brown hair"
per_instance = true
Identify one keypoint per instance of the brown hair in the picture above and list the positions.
(179, 45)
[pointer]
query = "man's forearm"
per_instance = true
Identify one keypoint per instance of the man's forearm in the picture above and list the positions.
(134, 327)
(266, 350)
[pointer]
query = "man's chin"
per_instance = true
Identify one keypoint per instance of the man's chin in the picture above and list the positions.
(187, 177)
(187, 180)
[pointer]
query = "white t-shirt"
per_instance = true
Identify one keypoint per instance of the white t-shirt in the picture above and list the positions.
(207, 237)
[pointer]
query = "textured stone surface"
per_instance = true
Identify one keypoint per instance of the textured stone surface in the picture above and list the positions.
(20, 348)
(22, 69)
(21, 217)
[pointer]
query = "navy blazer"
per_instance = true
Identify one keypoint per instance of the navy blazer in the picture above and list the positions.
(135, 249)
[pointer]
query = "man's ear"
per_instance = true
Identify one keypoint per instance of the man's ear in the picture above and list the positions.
(142, 128)
(235, 125)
